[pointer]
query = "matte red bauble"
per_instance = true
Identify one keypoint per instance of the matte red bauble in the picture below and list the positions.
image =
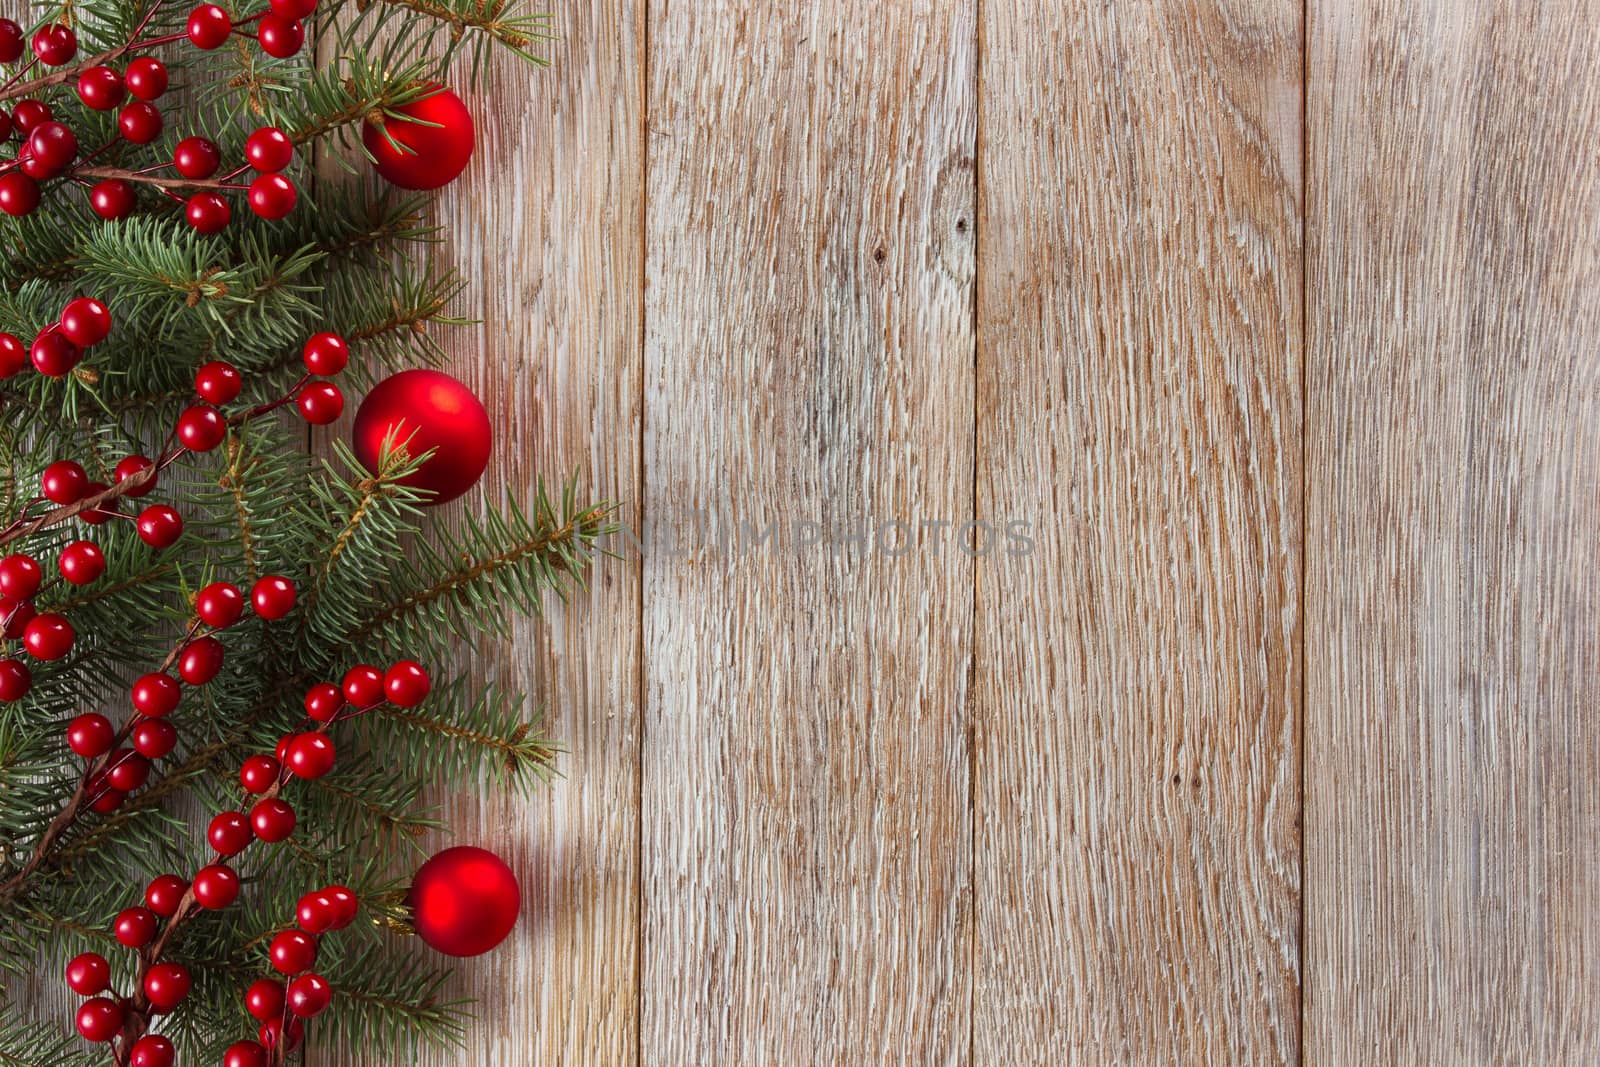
(428, 152)
(427, 410)
(464, 901)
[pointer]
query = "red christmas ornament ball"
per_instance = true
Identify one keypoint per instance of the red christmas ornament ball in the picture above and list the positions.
(153, 1050)
(464, 901)
(426, 410)
(424, 144)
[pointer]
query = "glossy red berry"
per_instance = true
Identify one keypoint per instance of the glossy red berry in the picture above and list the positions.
(280, 37)
(53, 355)
(292, 9)
(320, 402)
(272, 596)
(343, 904)
(52, 147)
(271, 1031)
(268, 150)
(112, 199)
(15, 615)
(139, 122)
(308, 995)
(15, 680)
(196, 157)
(272, 819)
(201, 660)
(156, 694)
(20, 576)
(29, 113)
(126, 770)
(147, 78)
(136, 927)
(101, 88)
(19, 194)
(64, 482)
(55, 44)
(201, 428)
(209, 26)
(292, 951)
(245, 1054)
(217, 382)
(281, 751)
(219, 605)
(88, 974)
(311, 755)
(91, 734)
(264, 999)
(98, 516)
(13, 353)
(48, 636)
(99, 1019)
(362, 685)
(216, 886)
(323, 702)
(10, 41)
(81, 562)
(164, 894)
(166, 985)
(259, 773)
(229, 833)
(160, 526)
(154, 738)
(271, 196)
(85, 321)
(315, 913)
(153, 1050)
(208, 213)
(106, 800)
(326, 354)
(129, 466)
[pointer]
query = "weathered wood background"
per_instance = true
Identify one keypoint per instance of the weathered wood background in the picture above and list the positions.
(1278, 325)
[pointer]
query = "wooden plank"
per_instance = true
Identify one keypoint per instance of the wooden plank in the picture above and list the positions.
(1452, 598)
(545, 227)
(1138, 675)
(809, 349)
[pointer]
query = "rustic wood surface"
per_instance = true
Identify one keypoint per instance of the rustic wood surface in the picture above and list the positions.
(1278, 325)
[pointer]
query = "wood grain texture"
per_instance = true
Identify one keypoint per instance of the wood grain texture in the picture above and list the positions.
(1452, 603)
(1137, 676)
(556, 271)
(808, 358)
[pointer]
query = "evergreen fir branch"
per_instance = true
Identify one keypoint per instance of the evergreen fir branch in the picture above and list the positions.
(462, 585)
(28, 1043)
(461, 735)
(394, 1001)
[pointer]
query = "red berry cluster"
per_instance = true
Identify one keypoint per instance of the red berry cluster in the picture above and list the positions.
(155, 695)
(57, 348)
(283, 1009)
(307, 754)
(49, 148)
